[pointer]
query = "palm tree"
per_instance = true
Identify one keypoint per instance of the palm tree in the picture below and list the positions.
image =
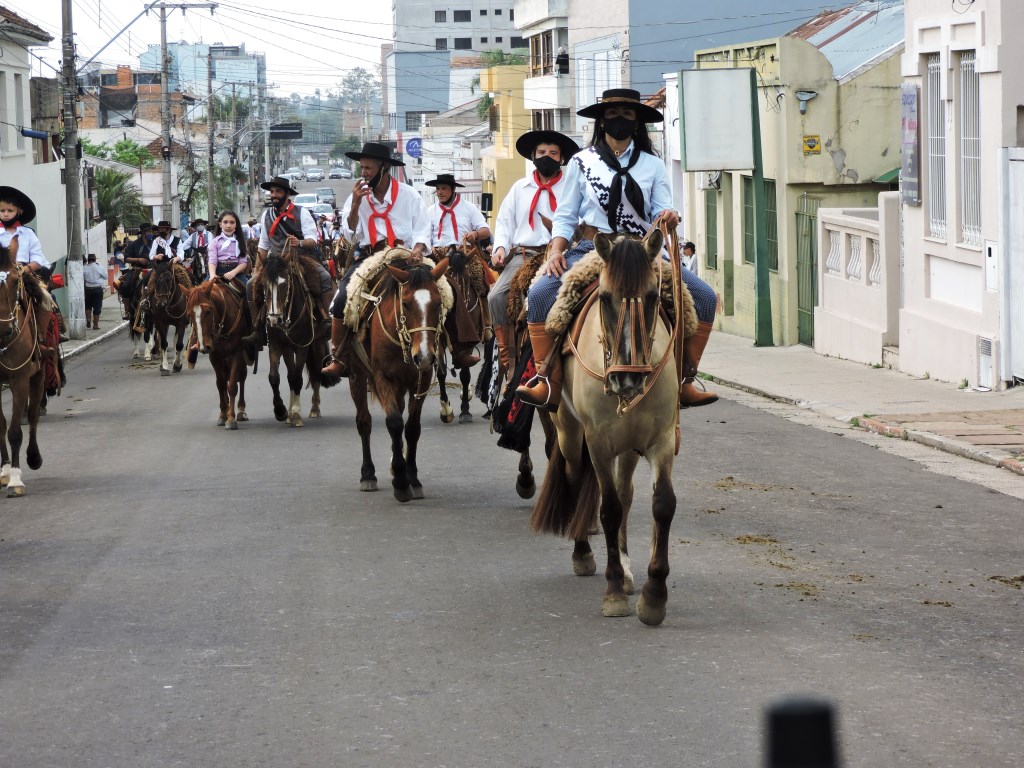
(120, 202)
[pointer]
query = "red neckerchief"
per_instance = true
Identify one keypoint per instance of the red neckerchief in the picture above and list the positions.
(13, 225)
(541, 186)
(285, 214)
(202, 240)
(383, 215)
(448, 211)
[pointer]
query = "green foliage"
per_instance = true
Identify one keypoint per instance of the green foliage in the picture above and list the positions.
(221, 108)
(499, 58)
(346, 144)
(95, 150)
(120, 202)
(132, 153)
(359, 88)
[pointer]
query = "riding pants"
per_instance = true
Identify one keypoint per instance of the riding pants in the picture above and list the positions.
(341, 295)
(545, 290)
(497, 297)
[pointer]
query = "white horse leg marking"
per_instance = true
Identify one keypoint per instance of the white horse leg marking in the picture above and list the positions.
(5, 474)
(422, 297)
(199, 328)
(14, 481)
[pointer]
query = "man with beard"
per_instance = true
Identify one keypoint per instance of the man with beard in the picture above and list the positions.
(380, 213)
(524, 219)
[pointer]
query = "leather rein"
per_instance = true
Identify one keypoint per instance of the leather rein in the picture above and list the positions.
(24, 327)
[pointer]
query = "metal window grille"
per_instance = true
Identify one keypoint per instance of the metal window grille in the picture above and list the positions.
(936, 126)
(748, 220)
(772, 224)
(711, 228)
(970, 151)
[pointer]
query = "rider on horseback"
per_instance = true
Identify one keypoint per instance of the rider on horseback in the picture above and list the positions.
(617, 184)
(16, 209)
(168, 247)
(523, 221)
(380, 213)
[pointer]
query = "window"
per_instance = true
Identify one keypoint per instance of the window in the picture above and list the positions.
(541, 54)
(462, 16)
(108, 79)
(935, 140)
(543, 120)
(440, 17)
(494, 118)
(511, 14)
(497, 11)
(711, 228)
(463, 43)
(498, 39)
(483, 11)
(970, 151)
(414, 120)
(4, 116)
(771, 222)
(441, 43)
(483, 39)
(518, 42)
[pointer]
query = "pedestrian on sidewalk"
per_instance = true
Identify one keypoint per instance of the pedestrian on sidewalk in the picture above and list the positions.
(95, 289)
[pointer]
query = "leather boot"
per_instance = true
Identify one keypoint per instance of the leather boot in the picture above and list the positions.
(501, 336)
(255, 337)
(693, 347)
(545, 389)
(463, 357)
(88, 321)
(325, 305)
(338, 367)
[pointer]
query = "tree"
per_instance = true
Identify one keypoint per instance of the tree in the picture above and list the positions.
(346, 144)
(493, 58)
(95, 150)
(359, 88)
(120, 202)
(132, 153)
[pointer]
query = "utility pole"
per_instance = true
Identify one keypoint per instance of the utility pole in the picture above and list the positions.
(266, 133)
(209, 137)
(234, 150)
(72, 180)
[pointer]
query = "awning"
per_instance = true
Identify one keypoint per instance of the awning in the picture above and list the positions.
(889, 177)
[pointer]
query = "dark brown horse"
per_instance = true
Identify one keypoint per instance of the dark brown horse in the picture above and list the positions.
(293, 335)
(395, 359)
(221, 317)
(168, 306)
(21, 365)
(468, 323)
(130, 289)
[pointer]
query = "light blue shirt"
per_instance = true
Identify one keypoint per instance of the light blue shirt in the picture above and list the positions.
(578, 203)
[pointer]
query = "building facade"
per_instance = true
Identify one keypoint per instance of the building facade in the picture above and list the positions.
(470, 26)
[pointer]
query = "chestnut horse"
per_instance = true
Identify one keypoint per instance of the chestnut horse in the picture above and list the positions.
(168, 307)
(221, 318)
(21, 365)
(396, 360)
(620, 401)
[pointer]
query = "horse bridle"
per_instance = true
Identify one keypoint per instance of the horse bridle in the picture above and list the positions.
(13, 319)
(286, 325)
(164, 296)
(218, 334)
(404, 333)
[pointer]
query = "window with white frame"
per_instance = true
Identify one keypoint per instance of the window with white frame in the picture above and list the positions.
(935, 125)
(970, 151)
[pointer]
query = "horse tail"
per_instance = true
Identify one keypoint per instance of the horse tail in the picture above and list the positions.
(565, 508)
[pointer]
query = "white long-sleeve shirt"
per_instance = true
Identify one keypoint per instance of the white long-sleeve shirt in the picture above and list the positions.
(468, 218)
(160, 242)
(409, 218)
(306, 221)
(513, 225)
(30, 250)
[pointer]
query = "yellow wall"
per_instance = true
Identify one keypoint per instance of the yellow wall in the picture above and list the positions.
(503, 166)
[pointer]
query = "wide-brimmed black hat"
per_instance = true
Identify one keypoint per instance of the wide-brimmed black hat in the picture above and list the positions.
(444, 178)
(526, 144)
(91, 257)
(164, 224)
(623, 97)
(375, 151)
(197, 222)
(20, 199)
(282, 182)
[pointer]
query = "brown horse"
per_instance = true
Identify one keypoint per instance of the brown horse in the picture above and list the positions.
(619, 402)
(293, 335)
(221, 317)
(469, 322)
(168, 307)
(21, 365)
(395, 360)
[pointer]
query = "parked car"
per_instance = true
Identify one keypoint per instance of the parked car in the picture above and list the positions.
(326, 195)
(322, 209)
(346, 173)
(294, 173)
(315, 174)
(335, 171)
(306, 200)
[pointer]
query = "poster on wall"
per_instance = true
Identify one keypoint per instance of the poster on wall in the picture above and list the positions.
(910, 177)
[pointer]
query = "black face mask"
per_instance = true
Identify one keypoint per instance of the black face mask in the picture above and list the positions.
(546, 166)
(619, 128)
(378, 177)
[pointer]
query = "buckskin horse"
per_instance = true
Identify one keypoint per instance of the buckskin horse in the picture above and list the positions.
(468, 323)
(394, 358)
(293, 334)
(168, 307)
(220, 317)
(619, 402)
(21, 365)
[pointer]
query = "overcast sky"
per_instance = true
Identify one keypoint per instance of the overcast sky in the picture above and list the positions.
(304, 52)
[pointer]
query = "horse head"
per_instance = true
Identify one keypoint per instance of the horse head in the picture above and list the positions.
(10, 292)
(420, 314)
(456, 259)
(630, 300)
(277, 285)
(202, 307)
(165, 286)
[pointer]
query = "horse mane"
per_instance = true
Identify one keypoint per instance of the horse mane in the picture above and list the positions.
(419, 276)
(35, 289)
(628, 268)
(199, 295)
(8, 256)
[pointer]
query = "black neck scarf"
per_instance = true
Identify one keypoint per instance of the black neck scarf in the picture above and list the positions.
(634, 194)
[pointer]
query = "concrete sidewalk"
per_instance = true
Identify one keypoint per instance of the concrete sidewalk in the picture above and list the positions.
(111, 323)
(985, 426)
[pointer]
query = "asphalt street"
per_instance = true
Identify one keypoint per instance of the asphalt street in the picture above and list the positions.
(172, 593)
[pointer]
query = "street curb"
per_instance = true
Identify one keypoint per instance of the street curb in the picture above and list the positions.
(752, 390)
(942, 443)
(93, 342)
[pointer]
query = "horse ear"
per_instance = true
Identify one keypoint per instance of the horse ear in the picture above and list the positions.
(440, 269)
(603, 244)
(399, 274)
(653, 243)
(12, 250)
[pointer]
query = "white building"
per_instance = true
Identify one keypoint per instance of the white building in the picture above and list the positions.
(470, 26)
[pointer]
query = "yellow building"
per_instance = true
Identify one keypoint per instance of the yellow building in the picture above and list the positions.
(829, 101)
(501, 165)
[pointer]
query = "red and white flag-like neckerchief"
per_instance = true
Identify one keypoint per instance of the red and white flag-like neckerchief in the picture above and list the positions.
(285, 214)
(449, 211)
(541, 186)
(390, 230)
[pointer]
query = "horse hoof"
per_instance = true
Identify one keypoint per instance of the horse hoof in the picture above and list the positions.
(243, 416)
(148, 358)
(367, 485)
(417, 491)
(526, 490)
(135, 356)
(280, 413)
(465, 418)
(233, 424)
(651, 615)
(314, 413)
(584, 566)
(164, 372)
(34, 459)
(615, 606)
(15, 491)
(296, 421)
(403, 494)
(221, 421)
(447, 414)
(176, 367)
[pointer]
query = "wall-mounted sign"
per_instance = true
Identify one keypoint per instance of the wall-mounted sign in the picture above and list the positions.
(286, 131)
(414, 146)
(910, 184)
(812, 145)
